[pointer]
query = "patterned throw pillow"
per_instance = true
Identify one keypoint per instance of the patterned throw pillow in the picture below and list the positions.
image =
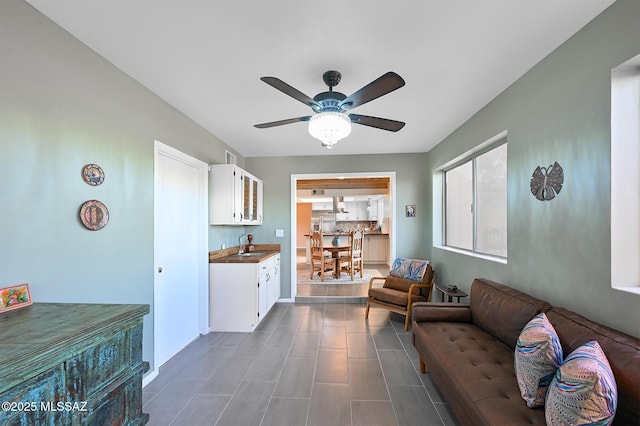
(583, 390)
(410, 269)
(537, 358)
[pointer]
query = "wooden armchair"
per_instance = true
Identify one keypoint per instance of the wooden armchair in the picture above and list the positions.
(402, 287)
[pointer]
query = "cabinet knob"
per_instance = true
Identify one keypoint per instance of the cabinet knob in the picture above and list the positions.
(159, 269)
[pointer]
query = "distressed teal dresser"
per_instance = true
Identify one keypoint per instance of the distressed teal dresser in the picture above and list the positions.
(72, 364)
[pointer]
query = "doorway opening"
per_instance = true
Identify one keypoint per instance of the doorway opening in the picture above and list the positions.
(367, 203)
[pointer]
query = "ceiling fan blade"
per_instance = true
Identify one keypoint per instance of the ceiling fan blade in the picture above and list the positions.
(282, 122)
(291, 91)
(381, 86)
(379, 123)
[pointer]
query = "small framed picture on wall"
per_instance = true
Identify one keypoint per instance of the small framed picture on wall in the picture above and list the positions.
(410, 210)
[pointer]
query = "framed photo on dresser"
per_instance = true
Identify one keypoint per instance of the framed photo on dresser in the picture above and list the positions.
(15, 297)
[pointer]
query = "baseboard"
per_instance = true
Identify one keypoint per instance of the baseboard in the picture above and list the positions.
(149, 378)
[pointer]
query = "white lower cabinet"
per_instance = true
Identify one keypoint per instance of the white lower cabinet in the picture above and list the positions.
(273, 284)
(376, 248)
(241, 294)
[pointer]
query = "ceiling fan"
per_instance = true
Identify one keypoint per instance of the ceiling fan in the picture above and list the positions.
(331, 121)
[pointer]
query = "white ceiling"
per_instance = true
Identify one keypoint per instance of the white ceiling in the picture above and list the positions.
(205, 57)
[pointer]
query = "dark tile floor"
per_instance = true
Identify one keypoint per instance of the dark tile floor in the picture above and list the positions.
(306, 364)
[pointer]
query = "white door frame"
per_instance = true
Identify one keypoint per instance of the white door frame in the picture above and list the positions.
(294, 219)
(161, 149)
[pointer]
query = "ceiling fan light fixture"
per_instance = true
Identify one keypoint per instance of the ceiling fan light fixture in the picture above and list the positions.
(330, 127)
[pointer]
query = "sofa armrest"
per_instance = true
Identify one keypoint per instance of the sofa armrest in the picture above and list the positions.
(447, 312)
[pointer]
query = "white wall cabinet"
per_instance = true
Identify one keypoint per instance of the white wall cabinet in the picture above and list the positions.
(372, 210)
(241, 294)
(235, 196)
(380, 211)
(362, 212)
(322, 206)
(356, 210)
(340, 217)
(375, 210)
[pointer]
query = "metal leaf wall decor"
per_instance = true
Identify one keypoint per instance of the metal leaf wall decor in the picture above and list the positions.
(546, 182)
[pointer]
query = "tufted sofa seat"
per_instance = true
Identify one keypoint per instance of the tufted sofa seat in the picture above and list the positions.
(468, 350)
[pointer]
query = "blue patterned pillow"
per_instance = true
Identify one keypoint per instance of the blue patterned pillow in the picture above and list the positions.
(538, 355)
(410, 269)
(583, 390)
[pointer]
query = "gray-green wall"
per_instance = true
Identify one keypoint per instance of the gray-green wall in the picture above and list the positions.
(63, 106)
(559, 250)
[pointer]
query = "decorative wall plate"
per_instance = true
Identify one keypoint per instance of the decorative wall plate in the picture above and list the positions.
(546, 182)
(94, 215)
(93, 174)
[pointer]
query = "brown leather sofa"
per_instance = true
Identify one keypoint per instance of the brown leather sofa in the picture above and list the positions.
(468, 350)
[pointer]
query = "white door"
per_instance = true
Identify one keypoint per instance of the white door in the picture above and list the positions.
(181, 260)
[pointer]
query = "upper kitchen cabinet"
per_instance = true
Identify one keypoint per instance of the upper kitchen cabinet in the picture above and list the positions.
(376, 210)
(235, 196)
(322, 206)
(363, 210)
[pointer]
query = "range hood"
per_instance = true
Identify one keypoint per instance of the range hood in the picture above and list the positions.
(338, 205)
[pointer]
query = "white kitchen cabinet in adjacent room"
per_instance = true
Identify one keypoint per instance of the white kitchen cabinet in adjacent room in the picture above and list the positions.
(376, 248)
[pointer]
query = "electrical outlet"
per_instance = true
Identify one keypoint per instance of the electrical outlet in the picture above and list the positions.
(279, 233)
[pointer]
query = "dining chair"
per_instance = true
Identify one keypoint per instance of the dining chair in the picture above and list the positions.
(321, 260)
(351, 260)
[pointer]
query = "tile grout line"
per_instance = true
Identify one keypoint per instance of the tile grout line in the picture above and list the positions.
(315, 370)
(384, 376)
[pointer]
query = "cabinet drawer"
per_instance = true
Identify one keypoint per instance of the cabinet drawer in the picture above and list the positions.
(120, 406)
(45, 388)
(265, 265)
(98, 365)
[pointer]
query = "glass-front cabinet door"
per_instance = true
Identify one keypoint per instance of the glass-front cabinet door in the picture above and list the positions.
(257, 202)
(246, 197)
(251, 199)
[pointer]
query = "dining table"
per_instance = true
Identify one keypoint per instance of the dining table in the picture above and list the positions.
(335, 253)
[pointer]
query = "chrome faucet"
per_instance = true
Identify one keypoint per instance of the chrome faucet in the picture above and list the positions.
(241, 249)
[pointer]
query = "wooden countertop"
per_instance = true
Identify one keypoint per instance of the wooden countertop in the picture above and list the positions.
(346, 234)
(230, 255)
(253, 257)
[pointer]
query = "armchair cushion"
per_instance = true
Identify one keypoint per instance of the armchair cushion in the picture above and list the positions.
(400, 284)
(395, 296)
